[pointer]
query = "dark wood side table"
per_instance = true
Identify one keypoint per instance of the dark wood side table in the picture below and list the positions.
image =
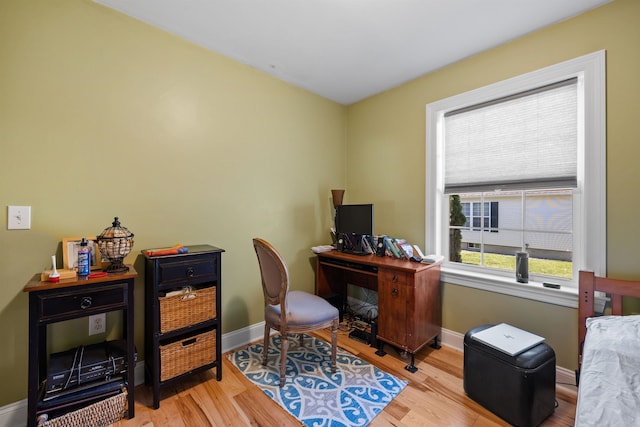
(183, 332)
(71, 299)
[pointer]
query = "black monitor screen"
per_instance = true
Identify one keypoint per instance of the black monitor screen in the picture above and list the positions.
(357, 219)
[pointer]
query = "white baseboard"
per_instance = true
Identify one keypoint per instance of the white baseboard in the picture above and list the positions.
(15, 414)
(242, 337)
(452, 339)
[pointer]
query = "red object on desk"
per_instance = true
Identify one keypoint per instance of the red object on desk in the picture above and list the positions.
(98, 274)
(174, 250)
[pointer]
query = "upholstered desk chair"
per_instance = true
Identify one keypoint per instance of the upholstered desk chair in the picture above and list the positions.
(290, 312)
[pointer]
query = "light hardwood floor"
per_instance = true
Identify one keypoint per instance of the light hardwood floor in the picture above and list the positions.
(433, 397)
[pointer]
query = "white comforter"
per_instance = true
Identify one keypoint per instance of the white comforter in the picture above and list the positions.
(609, 391)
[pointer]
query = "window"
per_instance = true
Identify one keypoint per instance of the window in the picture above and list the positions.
(481, 218)
(538, 221)
(527, 159)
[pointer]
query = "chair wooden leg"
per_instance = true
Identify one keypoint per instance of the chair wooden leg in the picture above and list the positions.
(265, 347)
(301, 340)
(334, 344)
(283, 358)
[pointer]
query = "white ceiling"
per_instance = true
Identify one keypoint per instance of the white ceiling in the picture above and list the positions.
(348, 50)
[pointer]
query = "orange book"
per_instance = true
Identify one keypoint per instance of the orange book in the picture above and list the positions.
(175, 249)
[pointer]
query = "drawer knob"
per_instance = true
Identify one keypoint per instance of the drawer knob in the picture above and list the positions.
(394, 292)
(85, 303)
(190, 272)
(395, 278)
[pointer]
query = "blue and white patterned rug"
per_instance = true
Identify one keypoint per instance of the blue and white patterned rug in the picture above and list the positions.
(353, 396)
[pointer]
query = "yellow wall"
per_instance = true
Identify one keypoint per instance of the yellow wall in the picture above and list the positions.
(388, 131)
(103, 116)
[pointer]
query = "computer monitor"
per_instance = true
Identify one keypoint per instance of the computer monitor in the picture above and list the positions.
(355, 219)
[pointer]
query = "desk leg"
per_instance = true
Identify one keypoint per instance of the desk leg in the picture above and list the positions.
(380, 352)
(436, 344)
(411, 367)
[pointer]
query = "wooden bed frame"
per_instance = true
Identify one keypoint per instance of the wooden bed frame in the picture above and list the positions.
(616, 288)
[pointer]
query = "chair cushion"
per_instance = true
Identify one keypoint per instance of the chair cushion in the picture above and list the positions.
(305, 310)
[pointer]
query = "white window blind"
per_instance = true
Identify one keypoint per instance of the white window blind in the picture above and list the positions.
(524, 141)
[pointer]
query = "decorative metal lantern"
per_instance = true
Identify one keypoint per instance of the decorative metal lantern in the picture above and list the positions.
(115, 243)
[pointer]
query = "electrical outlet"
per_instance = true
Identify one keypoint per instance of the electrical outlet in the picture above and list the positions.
(97, 324)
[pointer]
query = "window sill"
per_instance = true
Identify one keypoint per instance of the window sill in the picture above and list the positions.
(565, 296)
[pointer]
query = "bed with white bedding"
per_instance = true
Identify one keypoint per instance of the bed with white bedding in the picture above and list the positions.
(609, 362)
(609, 391)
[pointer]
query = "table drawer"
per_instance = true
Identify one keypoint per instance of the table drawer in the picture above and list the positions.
(69, 304)
(188, 270)
(392, 277)
(187, 309)
(187, 354)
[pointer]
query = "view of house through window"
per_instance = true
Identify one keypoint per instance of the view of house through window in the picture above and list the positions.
(520, 165)
(508, 160)
(500, 223)
(512, 162)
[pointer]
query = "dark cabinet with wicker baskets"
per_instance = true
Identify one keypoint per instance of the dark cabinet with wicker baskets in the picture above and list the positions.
(182, 304)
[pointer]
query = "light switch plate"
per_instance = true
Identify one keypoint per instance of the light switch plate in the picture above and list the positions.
(19, 218)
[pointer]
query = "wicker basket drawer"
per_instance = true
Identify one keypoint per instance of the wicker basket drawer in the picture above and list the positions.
(179, 311)
(183, 356)
(102, 413)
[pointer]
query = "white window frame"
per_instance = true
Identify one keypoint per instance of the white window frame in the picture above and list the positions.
(589, 200)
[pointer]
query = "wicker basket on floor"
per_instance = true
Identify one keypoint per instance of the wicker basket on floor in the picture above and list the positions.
(183, 356)
(98, 414)
(187, 309)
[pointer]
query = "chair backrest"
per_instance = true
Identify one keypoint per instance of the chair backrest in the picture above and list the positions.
(275, 276)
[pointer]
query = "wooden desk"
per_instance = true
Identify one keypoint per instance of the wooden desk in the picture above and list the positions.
(71, 299)
(409, 301)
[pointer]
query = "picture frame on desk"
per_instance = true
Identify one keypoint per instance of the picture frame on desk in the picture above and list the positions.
(70, 246)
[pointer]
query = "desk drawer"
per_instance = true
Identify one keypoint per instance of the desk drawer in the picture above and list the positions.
(187, 309)
(186, 355)
(196, 269)
(69, 304)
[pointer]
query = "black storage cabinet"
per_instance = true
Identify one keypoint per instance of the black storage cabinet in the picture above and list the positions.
(199, 268)
(519, 389)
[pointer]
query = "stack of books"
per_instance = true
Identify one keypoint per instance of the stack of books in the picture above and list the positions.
(401, 249)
